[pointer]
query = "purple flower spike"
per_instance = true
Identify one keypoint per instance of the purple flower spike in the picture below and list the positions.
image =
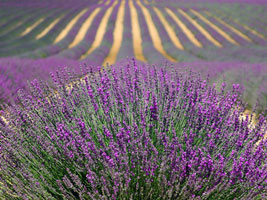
(132, 132)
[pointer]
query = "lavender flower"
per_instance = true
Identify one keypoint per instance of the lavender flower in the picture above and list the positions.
(132, 132)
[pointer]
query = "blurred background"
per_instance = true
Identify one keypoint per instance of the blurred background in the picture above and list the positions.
(225, 39)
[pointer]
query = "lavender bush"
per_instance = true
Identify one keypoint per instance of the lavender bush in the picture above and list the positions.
(131, 132)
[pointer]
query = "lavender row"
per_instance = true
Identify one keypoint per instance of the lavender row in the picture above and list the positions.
(149, 51)
(50, 48)
(127, 42)
(12, 19)
(255, 38)
(180, 55)
(56, 12)
(244, 14)
(100, 53)
(226, 53)
(13, 39)
(187, 44)
(199, 36)
(239, 40)
(34, 44)
(77, 51)
(211, 31)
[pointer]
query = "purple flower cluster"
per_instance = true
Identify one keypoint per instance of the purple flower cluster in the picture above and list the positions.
(132, 132)
(14, 74)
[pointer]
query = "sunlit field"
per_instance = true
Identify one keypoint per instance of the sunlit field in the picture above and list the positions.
(133, 99)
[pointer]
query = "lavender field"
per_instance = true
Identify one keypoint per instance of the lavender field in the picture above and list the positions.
(151, 31)
(133, 99)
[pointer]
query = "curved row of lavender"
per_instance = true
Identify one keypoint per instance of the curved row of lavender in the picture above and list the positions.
(249, 12)
(44, 48)
(132, 132)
